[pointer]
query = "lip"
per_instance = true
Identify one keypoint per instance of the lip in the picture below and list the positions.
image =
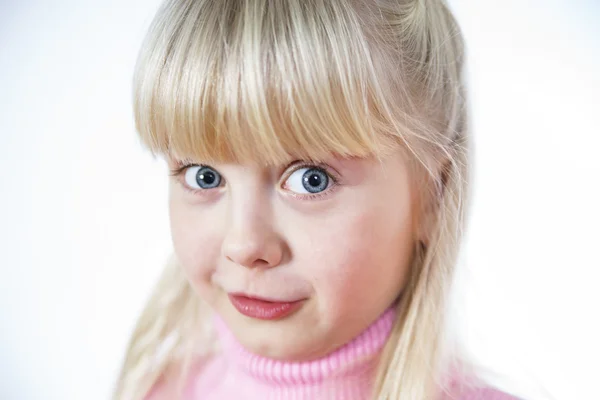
(258, 308)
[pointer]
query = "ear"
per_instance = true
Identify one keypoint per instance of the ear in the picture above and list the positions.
(431, 191)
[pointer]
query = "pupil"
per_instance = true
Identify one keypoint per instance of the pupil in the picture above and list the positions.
(208, 177)
(315, 180)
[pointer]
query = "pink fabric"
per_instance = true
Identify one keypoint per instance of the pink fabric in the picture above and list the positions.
(345, 374)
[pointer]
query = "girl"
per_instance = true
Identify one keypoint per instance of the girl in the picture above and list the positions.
(319, 162)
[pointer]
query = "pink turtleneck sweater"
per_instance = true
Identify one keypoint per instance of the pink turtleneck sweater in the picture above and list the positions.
(345, 374)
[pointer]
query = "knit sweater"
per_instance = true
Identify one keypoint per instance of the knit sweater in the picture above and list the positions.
(345, 374)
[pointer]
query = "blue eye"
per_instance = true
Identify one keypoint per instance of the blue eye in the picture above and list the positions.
(202, 177)
(308, 180)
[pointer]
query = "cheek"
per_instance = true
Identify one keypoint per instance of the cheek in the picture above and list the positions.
(196, 243)
(365, 262)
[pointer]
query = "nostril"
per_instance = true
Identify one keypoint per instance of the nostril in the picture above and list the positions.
(248, 261)
(253, 252)
(261, 263)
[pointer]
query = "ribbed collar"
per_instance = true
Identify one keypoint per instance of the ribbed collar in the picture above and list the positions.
(344, 365)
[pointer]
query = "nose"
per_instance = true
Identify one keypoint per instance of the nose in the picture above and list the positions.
(251, 240)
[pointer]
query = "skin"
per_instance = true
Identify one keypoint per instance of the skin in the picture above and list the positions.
(346, 251)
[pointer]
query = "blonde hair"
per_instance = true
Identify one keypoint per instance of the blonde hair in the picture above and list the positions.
(266, 80)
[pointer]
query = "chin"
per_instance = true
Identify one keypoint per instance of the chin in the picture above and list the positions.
(294, 338)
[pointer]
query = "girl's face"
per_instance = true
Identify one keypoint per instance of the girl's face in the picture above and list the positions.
(328, 245)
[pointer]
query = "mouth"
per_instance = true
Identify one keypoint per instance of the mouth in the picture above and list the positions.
(258, 308)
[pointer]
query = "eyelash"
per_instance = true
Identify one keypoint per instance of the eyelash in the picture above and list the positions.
(323, 167)
(179, 171)
(181, 168)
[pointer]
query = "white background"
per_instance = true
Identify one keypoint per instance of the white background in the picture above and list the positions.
(83, 211)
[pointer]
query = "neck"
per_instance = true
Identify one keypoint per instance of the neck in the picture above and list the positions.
(346, 373)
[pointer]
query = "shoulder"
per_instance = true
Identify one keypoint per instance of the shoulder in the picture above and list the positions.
(469, 388)
(175, 383)
(180, 384)
(485, 393)
(482, 393)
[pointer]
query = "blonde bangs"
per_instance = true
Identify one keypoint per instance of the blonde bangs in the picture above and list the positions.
(257, 81)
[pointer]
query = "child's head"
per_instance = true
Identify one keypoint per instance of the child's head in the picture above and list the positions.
(343, 250)
(318, 153)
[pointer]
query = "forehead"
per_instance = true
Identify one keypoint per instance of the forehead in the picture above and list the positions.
(210, 95)
(284, 159)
